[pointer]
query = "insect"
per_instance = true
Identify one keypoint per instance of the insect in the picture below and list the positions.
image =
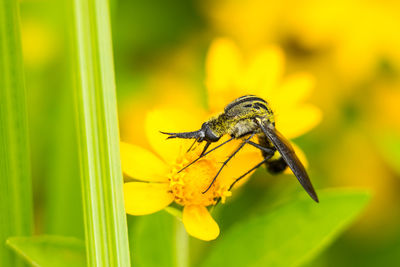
(244, 118)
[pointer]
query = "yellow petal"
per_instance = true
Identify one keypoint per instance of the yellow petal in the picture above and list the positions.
(239, 165)
(264, 72)
(145, 198)
(293, 91)
(297, 121)
(162, 92)
(225, 150)
(222, 71)
(242, 162)
(173, 121)
(199, 223)
(141, 164)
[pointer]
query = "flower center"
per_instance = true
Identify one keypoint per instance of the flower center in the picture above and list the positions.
(188, 185)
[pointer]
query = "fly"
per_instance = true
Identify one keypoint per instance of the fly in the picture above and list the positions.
(244, 118)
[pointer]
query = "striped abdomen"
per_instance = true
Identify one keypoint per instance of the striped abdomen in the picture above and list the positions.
(248, 102)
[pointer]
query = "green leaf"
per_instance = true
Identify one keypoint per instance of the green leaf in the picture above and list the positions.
(290, 234)
(106, 231)
(153, 240)
(49, 251)
(363, 251)
(389, 144)
(15, 182)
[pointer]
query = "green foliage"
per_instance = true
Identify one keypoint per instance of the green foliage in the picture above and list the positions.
(49, 251)
(165, 22)
(152, 240)
(15, 183)
(63, 213)
(350, 252)
(290, 234)
(389, 144)
(55, 155)
(101, 175)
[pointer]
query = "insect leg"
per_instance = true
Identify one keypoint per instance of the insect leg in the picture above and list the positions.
(270, 152)
(205, 148)
(249, 171)
(190, 148)
(244, 175)
(208, 152)
(274, 166)
(226, 161)
(267, 150)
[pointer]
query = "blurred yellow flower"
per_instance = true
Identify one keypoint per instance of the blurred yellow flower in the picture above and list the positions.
(40, 42)
(230, 76)
(351, 37)
(359, 34)
(155, 170)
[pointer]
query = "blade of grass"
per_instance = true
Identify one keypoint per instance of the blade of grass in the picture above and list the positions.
(63, 212)
(16, 216)
(104, 214)
(63, 202)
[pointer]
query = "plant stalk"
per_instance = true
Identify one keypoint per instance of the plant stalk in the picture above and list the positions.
(98, 136)
(16, 212)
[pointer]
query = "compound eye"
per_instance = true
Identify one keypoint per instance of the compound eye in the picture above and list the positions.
(210, 136)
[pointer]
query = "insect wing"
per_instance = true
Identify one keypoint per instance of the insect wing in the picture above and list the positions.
(286, 150)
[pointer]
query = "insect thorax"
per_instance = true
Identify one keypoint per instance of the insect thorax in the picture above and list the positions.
(238, 117)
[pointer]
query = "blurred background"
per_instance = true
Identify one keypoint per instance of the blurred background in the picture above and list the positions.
(351, 48)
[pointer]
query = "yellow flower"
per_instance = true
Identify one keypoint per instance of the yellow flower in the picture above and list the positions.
(158, 181)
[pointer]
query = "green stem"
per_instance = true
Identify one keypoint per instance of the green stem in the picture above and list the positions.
(105, 221)
(182, 245)
(16, 216)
